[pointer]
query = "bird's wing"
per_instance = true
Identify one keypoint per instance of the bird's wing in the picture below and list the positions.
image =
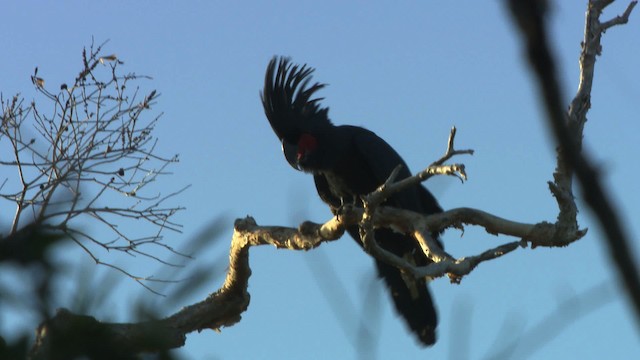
(322, 186)
(382, 159)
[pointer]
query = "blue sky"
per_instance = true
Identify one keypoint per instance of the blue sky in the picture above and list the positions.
(408, 71)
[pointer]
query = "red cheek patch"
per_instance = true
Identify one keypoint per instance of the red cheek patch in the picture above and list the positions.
(306, 144)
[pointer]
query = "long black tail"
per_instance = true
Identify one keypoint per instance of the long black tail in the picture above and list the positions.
(410, 296)
(413, 301)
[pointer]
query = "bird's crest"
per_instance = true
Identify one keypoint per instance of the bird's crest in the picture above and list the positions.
(287, 100)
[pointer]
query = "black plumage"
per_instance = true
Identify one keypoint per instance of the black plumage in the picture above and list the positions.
(348, 162)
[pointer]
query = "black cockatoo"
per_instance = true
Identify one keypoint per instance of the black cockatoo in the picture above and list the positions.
(348, 162)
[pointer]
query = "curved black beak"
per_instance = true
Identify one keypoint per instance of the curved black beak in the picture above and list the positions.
(291, 154)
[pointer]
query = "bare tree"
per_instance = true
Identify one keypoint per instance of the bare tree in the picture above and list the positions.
(225, 306)
(84, 157)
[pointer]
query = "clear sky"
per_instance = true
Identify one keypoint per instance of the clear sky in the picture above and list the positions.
(409, 71)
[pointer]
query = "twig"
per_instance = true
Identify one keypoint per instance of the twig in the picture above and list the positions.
(391, 186)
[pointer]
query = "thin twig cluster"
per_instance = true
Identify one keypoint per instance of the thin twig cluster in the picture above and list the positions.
(84, 157)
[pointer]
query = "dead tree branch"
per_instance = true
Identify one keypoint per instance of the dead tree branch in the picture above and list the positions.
(568, 128)
(222, 308)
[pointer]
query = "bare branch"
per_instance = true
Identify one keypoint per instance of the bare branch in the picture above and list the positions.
(568, 128)
(225, 306)
(620, 19)
(391, 186)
